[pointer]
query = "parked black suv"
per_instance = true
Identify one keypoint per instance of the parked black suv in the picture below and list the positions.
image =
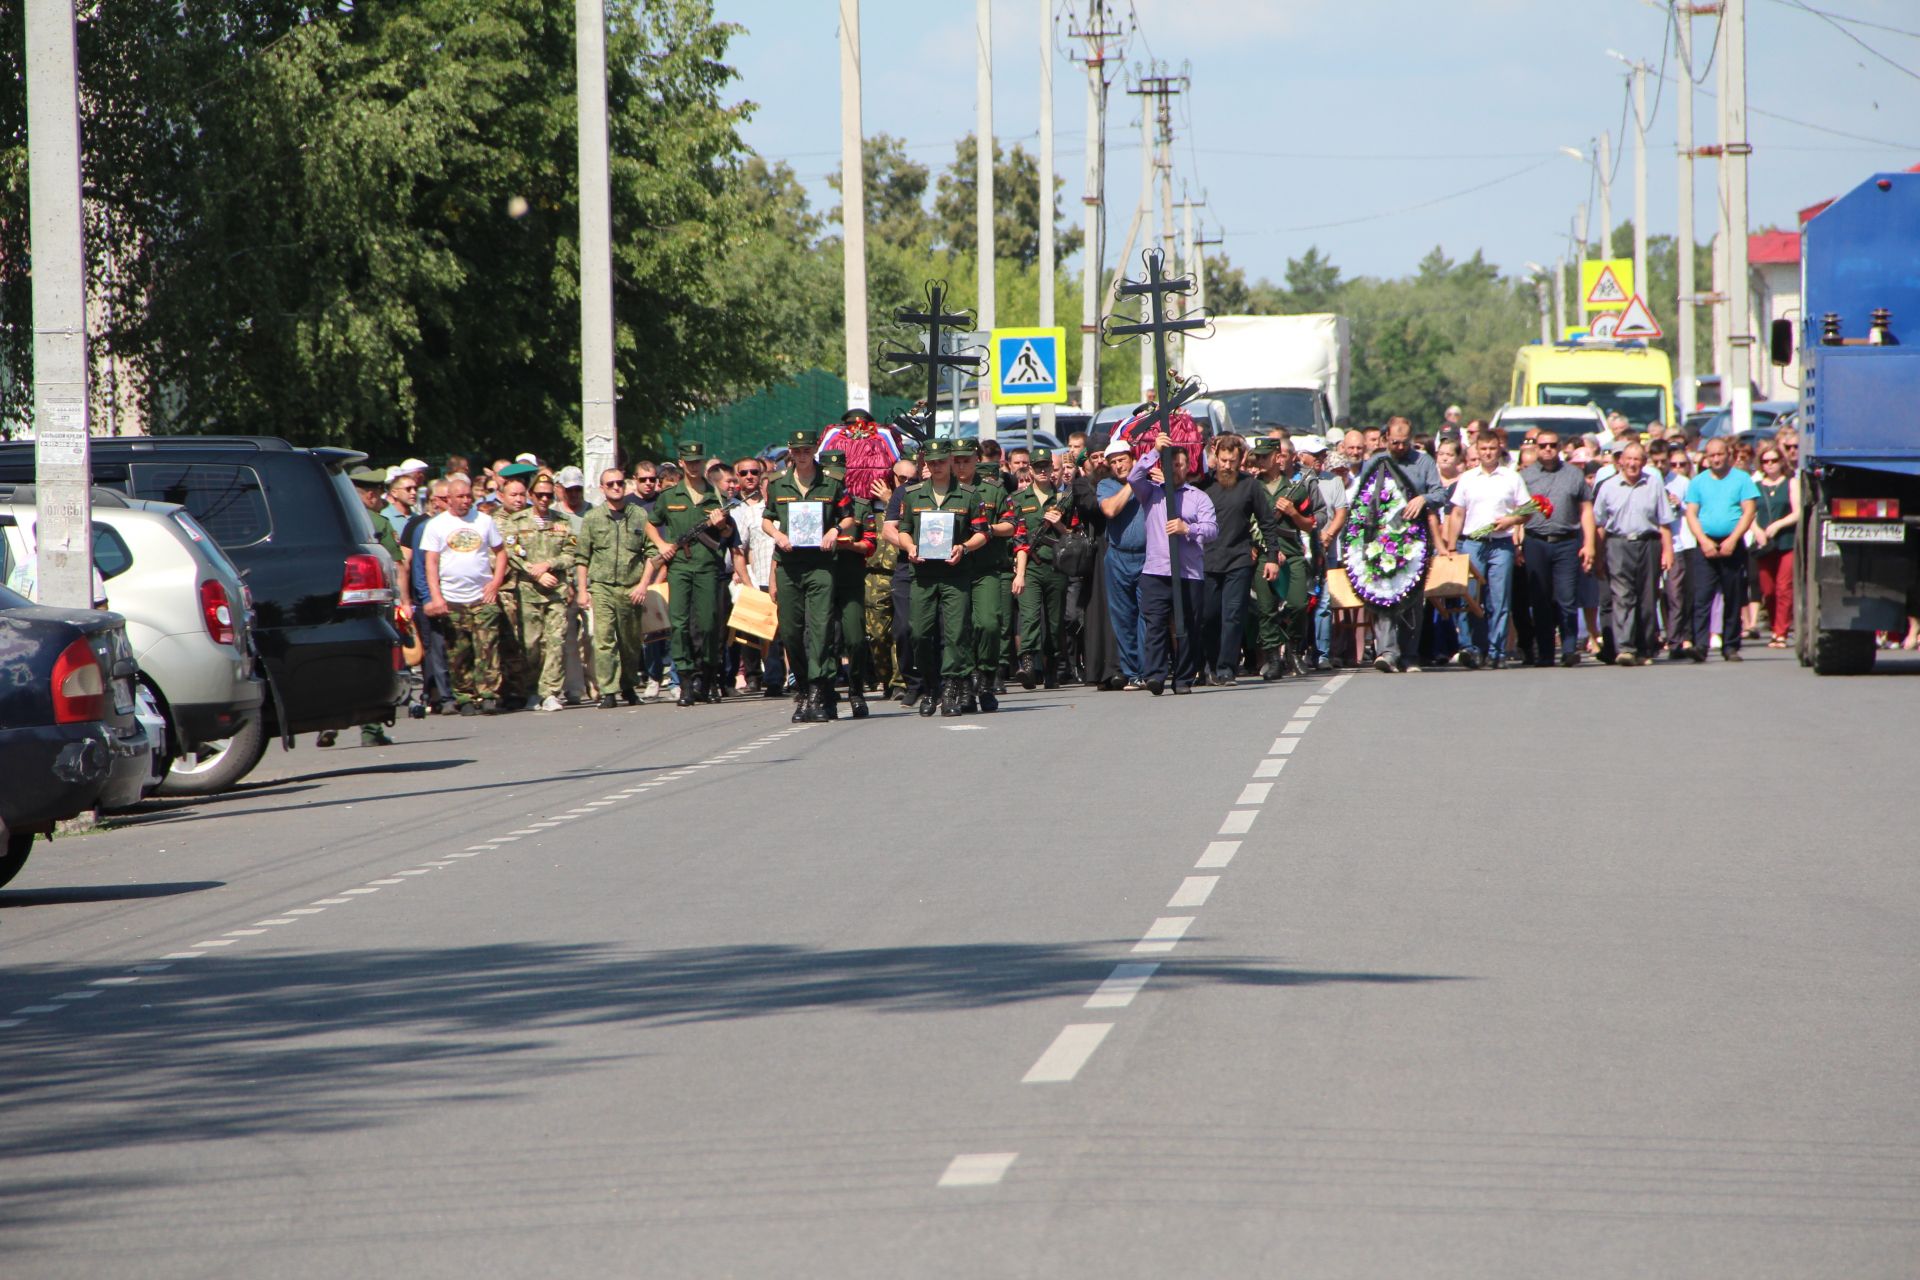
(322, 586)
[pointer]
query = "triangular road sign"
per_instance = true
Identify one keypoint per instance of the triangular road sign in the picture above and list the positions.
(1636, 321)
(1606, 290)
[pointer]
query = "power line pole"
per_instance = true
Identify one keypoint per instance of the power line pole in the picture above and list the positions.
(1579, 281)
(1684, 301)
(63, 520)
(1046, 189)
(1723, 237)
(983, 195)
(598, 446)
(853, 211)
(1095, 35)
(1156, 159)
(1200, 270)
(1641, 284)
(1740, 326)
(1559, 301)
(1604, 167)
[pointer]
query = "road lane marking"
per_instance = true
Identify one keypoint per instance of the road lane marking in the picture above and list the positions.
(1318, 699)
(1122, 985)
(1239, 822)
(11, 1022)
(36, 1008)
(116, 982)
(1193, 891)
(331, 902)
(277, 920)
(183, 955)
(1163, 934)
(361, 891)
(76, 995)
(1306, 713)
(415, 871)
(1068, 1053)
(982, 1169)
(1219, 853)
(151, 968)
(305, 911)
(1283, 746)
(245, 933)
(215, 942)
(388, 880)
(477, 848)
(1333, 685)
(1254, 793)
(1269, 768)
(1297, 726)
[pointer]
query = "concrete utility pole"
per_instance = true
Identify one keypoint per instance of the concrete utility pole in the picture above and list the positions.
(1579, 281)
(1603, 160)
(1641, 284)
(1046, 190)
(1095, 35)
(1200, 245)
(1684, 299)
(1559, 301)
(853, 211)
(1156, 157)
(597, 443)
(62, 461)
(983, 197)
(1722, 240)
(1740, 326)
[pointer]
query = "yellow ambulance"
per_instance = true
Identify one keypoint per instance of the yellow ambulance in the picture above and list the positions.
(1630, 378)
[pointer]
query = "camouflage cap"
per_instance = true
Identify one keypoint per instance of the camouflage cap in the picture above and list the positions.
(1040, 456)
(966, 448)
(937, 450)
(803, 439)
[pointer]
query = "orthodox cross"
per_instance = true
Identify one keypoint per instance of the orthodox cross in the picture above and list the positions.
(934, 320)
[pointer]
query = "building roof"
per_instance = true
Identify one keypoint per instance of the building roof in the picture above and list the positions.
(1773, 247)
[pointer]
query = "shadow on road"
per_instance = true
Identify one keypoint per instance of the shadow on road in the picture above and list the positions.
(238, 1047)
(101, 893)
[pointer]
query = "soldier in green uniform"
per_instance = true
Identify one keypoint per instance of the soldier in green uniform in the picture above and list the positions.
(939, 594)
(371, 484)
(991, 590)
(803, 573)
(700, 562)
(610, 559)
(540, 556)
(850, 554)
(1041, 514)
(1280, 606)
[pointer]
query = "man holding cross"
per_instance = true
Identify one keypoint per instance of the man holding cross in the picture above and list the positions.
(1180, 523)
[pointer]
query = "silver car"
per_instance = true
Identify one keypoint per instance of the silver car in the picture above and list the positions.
(187, 612)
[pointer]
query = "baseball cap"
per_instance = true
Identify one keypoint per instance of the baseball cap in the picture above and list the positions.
(527, 458)
(570, 478)
(1117, 445)
(412, 464)
(1310, 444)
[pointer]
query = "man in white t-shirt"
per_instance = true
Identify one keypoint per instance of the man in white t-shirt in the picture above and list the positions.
(466, 565)
(1483, 503)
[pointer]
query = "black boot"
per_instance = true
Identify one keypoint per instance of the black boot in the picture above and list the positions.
(829, 700)
(969, 695)
(1274, 668)
(949, 697)
(1029, 671)
(857, 702)
(1053, 674)
(983, 693)
(689, 690)
(716, 685)
(926, 707)
(802, 705)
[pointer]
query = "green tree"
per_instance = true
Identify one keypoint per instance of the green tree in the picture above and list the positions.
(896, 194)
(1016, 206)
(1313, 283)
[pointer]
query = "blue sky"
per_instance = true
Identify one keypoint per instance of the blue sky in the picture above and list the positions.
(1305, 113)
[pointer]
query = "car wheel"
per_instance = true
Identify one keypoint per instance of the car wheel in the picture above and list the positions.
(19, 844)
(209, 768)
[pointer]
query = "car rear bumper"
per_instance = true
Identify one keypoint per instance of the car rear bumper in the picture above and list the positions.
(199, 722)
(333, 676)
(57, 771)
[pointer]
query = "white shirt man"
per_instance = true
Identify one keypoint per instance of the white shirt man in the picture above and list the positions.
(1484, 495)
(466, 546)
(1484, 499)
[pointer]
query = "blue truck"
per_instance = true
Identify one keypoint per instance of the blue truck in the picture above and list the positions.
(1858, 571)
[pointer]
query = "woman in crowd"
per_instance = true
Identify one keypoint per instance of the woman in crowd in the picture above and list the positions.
(1776, 526)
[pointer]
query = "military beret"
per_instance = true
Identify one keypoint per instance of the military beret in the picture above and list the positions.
(803, 439)
(833, 458)
(1040, 456)
(692, 451)
(966, 448)
(368, 475)
(519, 471)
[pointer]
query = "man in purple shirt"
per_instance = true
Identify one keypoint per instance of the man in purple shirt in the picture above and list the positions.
(1179, 523)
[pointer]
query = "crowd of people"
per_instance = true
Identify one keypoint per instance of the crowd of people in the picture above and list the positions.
(936, 573)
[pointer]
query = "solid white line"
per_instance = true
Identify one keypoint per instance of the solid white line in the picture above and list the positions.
(1163, 934)
(1122, 985)
(1296, 726)
(1283, 746)
(1068, 1053)
(1270, 767)
(1219, 853)
(1254, 793)
(1306, 713)
(984, 1169)
(1239, 822)
(1193, 891)
(1317, 700)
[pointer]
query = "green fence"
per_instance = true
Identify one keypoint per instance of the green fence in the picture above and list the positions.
(762, 420)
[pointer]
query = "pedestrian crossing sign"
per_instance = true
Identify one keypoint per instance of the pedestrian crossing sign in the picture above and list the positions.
(1029, 366)
(1606, 285)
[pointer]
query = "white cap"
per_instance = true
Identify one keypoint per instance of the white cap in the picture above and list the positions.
(527, 458)
(1310, 444)
(1334, 438)
(413, 464)
(1117, 445)
(393, 473)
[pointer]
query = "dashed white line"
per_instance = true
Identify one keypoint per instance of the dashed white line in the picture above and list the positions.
(1333, 685)
(1269, 767)
(37, 1008)
(1283, 746)
(245, 933)
(276, 920)
(1163, 934)
(305, 911)
(183, 955)
(1306, 712)
(1193, 891)
(331, 902)
(1254, 793)
(76, 995)
(1068, 1053)
(215, 942)
(361, 891)
(1297, 726)
(116, 982)
(1317, 699)
(982, 1169)
(415, 871)
(1118, 991)
(1219, 853)
(1239, 822)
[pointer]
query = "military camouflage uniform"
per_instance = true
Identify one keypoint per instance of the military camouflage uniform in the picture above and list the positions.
(542, 610)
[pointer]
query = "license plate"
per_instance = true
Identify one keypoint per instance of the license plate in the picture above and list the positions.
(1888, 531)
(123, 695)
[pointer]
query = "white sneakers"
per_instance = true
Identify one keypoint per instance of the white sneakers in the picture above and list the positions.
(551, 703)
(653, 691)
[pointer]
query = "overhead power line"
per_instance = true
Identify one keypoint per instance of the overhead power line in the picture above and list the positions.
(1411, 208)
(1805, 8)
(1849, 19)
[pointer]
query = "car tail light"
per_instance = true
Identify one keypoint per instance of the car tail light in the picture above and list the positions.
(365, 581)
(1866, 509)
(217, 611)
(79, 686)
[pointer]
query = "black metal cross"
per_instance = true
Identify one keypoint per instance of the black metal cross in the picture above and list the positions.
(933, 320)
(1156, 288)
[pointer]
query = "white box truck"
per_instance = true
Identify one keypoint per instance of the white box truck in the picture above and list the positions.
(1276, 371)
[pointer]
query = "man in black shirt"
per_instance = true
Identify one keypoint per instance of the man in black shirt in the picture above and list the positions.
(1240, 503)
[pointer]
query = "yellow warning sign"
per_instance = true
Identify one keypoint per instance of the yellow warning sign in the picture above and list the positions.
(1606, 285)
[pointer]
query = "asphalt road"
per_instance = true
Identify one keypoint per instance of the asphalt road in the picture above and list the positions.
(1591, 973)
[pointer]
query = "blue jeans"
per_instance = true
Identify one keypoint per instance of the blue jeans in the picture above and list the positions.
(1322, 619)
(1493, 557)
(1123, 606)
